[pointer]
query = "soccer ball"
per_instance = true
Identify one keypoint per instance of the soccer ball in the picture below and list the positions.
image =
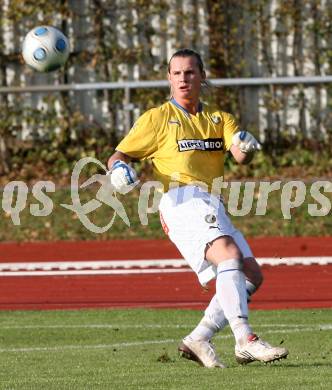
(45, 48)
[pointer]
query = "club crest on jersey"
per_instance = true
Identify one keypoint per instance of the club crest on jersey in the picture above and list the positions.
(209, 144)
(216, 119)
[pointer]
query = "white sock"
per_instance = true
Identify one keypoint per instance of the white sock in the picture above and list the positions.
(232, 297)
(214, 318)
(215, 314)
(203, 331)
(213, 321)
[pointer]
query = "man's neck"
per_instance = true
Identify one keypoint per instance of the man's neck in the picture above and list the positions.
(192, 107)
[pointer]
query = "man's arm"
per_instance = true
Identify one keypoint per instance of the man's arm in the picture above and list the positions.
(244, 145)
(241, 157)
(117, 156)
(123, 176)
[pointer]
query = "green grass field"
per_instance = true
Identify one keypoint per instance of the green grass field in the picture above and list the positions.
(137, 349)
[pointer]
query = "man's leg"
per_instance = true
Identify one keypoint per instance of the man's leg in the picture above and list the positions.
(253, 275)
(232, 296)
(213, 321)
(197, 346)
(231, 285)
(214, 318)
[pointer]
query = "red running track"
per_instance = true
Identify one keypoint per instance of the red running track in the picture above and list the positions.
(284, 286)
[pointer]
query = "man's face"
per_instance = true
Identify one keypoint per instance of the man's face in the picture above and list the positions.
(185, 78)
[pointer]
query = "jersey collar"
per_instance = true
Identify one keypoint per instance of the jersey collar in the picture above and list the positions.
(176, 104)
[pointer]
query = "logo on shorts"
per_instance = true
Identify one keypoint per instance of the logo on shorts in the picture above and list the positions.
(210, 218)
(209, 144)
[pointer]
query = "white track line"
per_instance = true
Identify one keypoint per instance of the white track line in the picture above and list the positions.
(93, 272)
(124, 267)
(320, 260)
(140, 343)
(93, 264)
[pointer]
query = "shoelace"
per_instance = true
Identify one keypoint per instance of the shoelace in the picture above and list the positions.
(260, 341)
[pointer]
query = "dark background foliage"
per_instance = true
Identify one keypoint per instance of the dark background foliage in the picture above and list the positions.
(132, 40)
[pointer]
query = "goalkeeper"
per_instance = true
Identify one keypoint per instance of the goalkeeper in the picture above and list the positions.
(187, 140)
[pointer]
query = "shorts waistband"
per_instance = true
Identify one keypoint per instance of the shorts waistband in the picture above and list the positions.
(184, 193)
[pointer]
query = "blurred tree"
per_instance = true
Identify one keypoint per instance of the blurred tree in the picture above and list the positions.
(115, 40)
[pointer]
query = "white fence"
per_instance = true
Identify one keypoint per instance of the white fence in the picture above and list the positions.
(127, 86)
(250, 81)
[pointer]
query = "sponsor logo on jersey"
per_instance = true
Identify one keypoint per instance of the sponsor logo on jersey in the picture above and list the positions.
(209, 144)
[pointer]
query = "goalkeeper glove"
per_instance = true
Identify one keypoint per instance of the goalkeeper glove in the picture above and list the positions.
(123, 177)
(246, 142)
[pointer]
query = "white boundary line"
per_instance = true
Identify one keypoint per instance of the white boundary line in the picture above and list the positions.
(153, 326)
(144, 342)
(125, 267)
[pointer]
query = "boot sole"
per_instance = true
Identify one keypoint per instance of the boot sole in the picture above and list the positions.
(187, 353)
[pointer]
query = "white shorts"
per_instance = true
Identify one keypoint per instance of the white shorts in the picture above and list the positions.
(192, 218)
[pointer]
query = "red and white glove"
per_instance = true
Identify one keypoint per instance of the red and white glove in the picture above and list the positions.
(123, 177)
(246, 142)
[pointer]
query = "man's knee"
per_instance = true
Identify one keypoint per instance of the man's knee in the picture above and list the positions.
(221, 249)
(253, 271)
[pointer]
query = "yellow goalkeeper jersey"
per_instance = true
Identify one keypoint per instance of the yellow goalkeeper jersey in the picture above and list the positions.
(185, 147)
